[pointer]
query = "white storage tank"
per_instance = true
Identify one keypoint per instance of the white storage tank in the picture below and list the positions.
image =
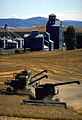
(13, 44)
(20, 42)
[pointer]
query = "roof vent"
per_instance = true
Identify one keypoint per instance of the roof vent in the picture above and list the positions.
(35, 32)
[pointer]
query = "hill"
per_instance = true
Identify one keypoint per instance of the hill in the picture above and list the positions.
(42, 28)
(23, 23)
(34, 21)
(72, 23)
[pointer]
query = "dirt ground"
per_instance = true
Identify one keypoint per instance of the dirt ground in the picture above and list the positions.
(62, 66)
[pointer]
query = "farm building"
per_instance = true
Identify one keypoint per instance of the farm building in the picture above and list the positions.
(37, 41)
(52, 39)
(7, 42)
(48, 41)
(10, 40)
(55, 28)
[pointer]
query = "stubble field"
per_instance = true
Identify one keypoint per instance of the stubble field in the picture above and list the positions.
(62, 66)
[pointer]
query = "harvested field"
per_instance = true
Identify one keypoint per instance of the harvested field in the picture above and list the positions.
(62, 66)
(42, 28)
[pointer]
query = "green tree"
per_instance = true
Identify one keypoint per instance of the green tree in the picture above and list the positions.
(70, 38)
(79, 40)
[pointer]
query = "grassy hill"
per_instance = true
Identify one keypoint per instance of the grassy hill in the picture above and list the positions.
(34, 21)
(42, 28)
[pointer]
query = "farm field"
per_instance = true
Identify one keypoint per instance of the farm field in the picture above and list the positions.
(62, 66)
(42, 28)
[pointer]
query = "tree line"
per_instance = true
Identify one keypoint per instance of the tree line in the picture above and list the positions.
(72, 39)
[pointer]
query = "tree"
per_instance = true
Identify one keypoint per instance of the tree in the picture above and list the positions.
(79, 40)
(70, 38)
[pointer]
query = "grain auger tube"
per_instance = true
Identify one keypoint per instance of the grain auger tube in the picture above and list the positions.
(64, 83)
(39, 73)
(45, 76)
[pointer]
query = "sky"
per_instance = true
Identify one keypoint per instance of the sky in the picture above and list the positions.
(24, 9)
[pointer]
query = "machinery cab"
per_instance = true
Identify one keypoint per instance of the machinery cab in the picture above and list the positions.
(44, 90)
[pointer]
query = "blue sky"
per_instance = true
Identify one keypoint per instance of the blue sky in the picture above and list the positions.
(63, 9)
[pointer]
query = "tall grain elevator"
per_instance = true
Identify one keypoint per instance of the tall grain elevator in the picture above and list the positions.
(55, 29)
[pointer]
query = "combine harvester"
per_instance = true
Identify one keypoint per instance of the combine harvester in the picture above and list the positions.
(39, 94)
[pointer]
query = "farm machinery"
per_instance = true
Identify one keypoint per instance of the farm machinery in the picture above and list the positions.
(22, 82)
(25, 83)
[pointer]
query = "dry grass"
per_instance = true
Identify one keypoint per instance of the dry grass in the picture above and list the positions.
(12, 107)
(61, 66)
(42, 28)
